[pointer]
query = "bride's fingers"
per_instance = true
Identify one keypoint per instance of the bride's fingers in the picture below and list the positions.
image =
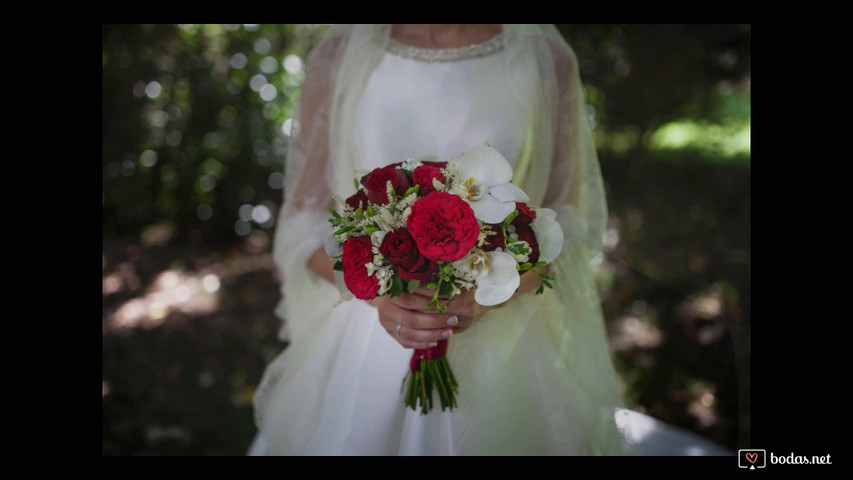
(413, 302)
(414, 326)
(423, 291)
(414, 338)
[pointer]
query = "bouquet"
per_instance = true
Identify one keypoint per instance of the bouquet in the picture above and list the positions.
(455, 225)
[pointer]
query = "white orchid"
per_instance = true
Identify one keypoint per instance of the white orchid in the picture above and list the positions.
(495, 274)
(549, 234)
(334, 248)
(483, 177)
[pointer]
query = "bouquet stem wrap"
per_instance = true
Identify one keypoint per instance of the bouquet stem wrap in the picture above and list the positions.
(429, 369)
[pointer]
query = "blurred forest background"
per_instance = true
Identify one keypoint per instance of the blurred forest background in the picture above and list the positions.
(196, 122)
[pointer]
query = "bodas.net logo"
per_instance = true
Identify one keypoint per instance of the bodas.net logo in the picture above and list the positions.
(751, 458)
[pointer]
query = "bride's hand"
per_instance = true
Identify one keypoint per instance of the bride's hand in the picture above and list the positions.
(466, 309)
(463, 306)
(410, 323)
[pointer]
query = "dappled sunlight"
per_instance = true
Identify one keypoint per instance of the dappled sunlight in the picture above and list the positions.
(702, 405)
(723, 140)
(707, 304)
(635, 331)
(172, 291)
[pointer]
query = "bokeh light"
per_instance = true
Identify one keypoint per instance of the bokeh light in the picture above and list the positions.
(292, 63)
(153, 89)
(148, 158)
(238, 61)
(268, 92)
(257, 82)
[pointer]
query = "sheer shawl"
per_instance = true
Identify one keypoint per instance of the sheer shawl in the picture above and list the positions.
(557, 167)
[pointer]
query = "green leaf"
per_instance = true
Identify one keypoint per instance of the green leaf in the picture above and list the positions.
(541, 264)
(339, 266)
(396, 286)
(446, 288)
(334, 213)
(413, 189)
(541, 289)
(432, 285)
(344, 229)
(526, 266)
(371, 229)
(355, 182)
(370, 211)
(509, 218)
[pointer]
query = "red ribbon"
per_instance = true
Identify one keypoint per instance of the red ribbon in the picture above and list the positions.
(434, 353)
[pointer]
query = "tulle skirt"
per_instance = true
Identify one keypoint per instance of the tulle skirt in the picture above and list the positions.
(535, 378)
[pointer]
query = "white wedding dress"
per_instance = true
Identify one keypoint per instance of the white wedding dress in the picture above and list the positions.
(535, 376)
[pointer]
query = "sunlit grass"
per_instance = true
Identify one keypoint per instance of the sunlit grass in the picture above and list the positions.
(724, 133)
(720, 135)
(727, 140)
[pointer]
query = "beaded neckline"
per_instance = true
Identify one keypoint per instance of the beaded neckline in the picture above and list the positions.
(423, 54)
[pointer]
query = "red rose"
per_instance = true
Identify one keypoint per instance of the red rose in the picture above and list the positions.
(400, 250)
(376, 182)
(443, 226)
(423, 176)
(434, 164)
(525, 215)
(496, 241)
(357, 253)
(526, 234)
(360, 197)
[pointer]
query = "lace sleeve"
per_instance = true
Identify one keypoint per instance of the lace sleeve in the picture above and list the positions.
(575, 188)
(302, 224)
(558, 167)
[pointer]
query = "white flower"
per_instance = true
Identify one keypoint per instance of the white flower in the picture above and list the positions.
(495, 274)
(334, 249)
(470, 267)
(376, 239)
(483, 181)
(549, 235)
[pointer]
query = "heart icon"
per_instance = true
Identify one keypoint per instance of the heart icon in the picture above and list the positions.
(752, 457)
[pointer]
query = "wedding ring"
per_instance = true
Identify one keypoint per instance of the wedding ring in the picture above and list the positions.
(399, 326)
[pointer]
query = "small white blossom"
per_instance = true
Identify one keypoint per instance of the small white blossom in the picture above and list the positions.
(383, 274)
(376, 239)
(410, 164)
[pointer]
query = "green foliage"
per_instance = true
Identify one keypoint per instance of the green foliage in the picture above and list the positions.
(194, 120)
(642, 76)
(396, 286)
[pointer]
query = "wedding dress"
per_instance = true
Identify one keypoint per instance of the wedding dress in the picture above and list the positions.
(535, 376)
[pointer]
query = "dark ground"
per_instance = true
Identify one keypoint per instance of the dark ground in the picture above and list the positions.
(179, 369)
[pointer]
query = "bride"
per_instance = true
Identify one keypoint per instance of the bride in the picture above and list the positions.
(535, 376)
